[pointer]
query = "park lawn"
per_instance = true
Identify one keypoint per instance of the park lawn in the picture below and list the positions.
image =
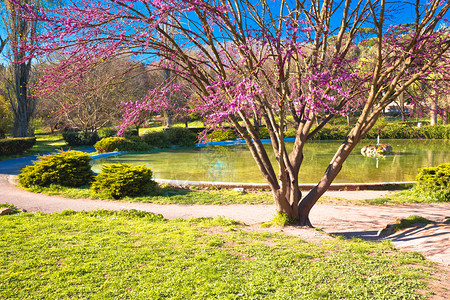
(412, 195)
(138, 255)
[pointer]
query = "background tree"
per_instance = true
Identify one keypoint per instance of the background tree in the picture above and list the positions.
(19, 32)
(266, 60)
(93, 101)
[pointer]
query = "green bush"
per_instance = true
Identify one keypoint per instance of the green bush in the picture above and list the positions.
(337, 132)
(16, 145)
(435, 181)
(157, 139)
(290, 133)
(78, 138)
(221, 135)
(5, 117)
(69, 168)
(435, 132)
(114, 143)
(264, 133)
(106, 132)
(121, 180)
(180, 136)
(405, 131)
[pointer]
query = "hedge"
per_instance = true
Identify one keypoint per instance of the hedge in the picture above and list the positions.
(114, 143)
(16, 145)
(79, 138)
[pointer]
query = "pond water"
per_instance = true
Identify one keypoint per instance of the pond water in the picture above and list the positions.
(235, 163)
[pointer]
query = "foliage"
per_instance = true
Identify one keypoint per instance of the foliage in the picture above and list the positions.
(120, 180)
(79, 138)
(434, 178)
(114, 143)
(16, 145)
(71, 168)
(337, 132)
(123, 254)
(157, 139)
(179, 136)
(169, 100)
(406, 131)
(5, 117)
(435, 182)
(174, 136)
(92, 102)
(106, 132)
(221, 135)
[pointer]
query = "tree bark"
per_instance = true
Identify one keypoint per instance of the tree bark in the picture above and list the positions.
(330, 174)
(24, 107)
(433, 111)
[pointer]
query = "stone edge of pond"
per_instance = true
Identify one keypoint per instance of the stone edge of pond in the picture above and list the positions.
(108, 154)
(303, 187)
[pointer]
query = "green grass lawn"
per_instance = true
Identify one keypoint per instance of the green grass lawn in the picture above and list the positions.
(169, 195)
(215, 196)
(412, 195)
(136, 255)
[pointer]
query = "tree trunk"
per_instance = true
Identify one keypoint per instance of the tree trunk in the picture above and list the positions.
(24, 107)
(330, 174)
(287, 203)
(433, 111)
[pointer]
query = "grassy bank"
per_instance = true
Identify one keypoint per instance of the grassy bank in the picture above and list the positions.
(135, 255)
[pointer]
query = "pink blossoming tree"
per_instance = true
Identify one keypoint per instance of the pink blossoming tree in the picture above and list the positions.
(264, 60)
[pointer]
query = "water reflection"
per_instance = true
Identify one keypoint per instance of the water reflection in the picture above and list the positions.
(235, 163)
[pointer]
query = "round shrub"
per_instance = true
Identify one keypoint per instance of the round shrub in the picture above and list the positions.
(182, 137)
(121, 180)
(115, 143)
(69, 168)
(221, 135)
(435, 180)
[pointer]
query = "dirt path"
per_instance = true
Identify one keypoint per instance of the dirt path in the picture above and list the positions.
(348, 220)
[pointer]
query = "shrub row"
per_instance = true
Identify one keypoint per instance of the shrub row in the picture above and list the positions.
(79, 138)
(16, 145)
(390, 131)
(221, 135)
(403, 131)
(114, 143)
(72, 169)
(168, 138)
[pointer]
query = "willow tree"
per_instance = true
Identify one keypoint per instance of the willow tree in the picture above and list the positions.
(265, 60)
